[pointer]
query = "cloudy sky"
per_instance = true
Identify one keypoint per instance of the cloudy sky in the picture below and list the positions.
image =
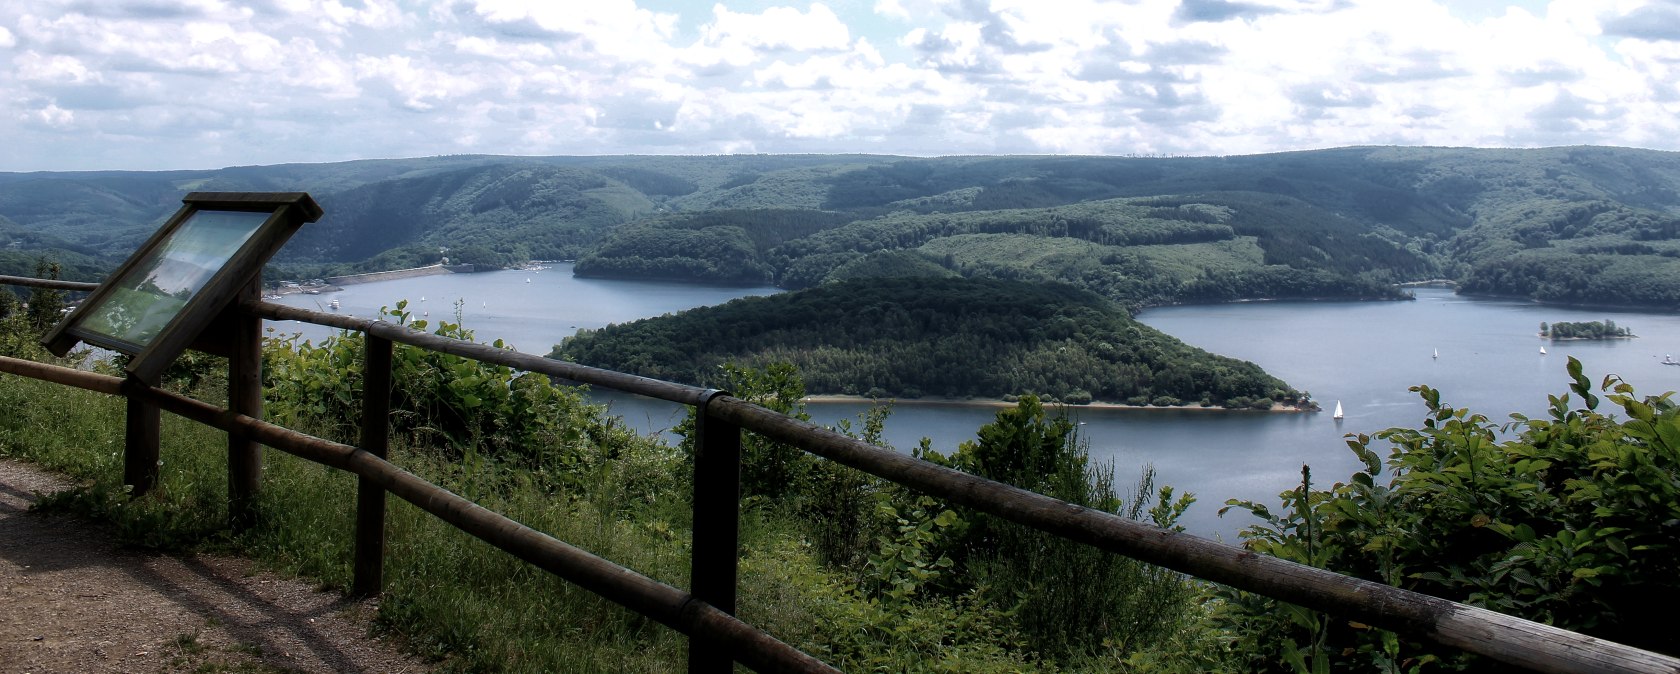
(154, 84)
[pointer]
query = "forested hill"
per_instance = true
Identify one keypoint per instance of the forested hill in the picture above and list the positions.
(945, 337)
(1579, 224)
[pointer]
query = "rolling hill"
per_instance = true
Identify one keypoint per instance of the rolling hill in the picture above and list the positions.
(1589, 225)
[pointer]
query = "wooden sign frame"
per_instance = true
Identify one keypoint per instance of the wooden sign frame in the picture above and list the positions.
(287, 211)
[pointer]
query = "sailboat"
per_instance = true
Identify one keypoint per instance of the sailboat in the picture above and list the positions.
(1338, 414)
(1437, 354)
(1542, 350)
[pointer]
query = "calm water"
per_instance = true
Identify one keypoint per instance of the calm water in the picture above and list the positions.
(531, 310)
(1364, 354)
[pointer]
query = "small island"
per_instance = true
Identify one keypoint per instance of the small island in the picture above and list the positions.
(1565, 330)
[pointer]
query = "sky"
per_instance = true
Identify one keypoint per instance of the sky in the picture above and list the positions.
(194, 84)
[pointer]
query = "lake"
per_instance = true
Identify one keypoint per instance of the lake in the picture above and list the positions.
(530, 310)
(1363, 354)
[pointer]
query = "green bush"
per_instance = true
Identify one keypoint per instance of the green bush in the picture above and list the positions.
(1071, 601)
(1571, 520)
(465, 407)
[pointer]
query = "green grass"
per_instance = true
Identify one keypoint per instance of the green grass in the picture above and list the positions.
(1185, 262)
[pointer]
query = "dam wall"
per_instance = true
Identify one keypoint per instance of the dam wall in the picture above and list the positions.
(395, 274)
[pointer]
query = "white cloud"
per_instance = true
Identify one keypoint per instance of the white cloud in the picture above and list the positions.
(112, 84)
(778, 28)
(32, 66)
(416, 85)
(610, 27)
(54, 116)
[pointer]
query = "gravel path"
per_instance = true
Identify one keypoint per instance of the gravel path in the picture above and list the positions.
(74, 601)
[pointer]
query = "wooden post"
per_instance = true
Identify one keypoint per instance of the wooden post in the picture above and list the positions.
(717, 511)
(370, 497)
(244, 397)
(140, 446)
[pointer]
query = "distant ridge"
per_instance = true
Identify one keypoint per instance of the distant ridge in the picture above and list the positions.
(1584, 225)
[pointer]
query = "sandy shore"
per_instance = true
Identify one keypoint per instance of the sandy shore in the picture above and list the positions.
(1000, 404)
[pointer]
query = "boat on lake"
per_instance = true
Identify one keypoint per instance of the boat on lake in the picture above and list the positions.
(1542, 350)
(1338, 413)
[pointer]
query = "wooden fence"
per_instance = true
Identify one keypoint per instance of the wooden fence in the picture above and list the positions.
(705, 613)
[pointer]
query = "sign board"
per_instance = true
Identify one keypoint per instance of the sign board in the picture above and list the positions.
(170, 290)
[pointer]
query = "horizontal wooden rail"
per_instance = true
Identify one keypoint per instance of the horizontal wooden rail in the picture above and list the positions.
(673, 607)
(1505, 638)
(49, 284)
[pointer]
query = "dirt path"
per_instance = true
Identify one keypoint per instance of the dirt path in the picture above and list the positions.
(73, 601)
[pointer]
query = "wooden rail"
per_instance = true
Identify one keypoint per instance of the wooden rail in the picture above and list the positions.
(47, 283)
(716, 637)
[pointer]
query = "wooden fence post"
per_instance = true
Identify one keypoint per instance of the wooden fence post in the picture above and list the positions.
(370, 497)
(245, 397)
(717, 510)
(140, 446)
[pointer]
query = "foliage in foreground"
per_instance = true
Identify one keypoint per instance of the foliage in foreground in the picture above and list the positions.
(1574, 521)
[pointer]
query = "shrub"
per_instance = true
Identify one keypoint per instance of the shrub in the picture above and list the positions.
(1071, 600)
(1573, 521)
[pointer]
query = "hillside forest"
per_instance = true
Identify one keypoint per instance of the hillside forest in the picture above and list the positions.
(1586, 225)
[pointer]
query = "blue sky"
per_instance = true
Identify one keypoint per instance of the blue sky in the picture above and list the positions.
(157, 84)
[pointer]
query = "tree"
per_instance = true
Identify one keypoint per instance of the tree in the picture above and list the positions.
(1070, 599)
(45, 306)
(9, 303)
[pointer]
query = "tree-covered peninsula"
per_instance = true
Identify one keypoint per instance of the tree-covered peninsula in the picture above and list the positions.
(936, 337)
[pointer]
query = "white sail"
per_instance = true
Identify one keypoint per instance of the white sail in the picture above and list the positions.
(1338, 413)
(1437, 354)
(1542, 350)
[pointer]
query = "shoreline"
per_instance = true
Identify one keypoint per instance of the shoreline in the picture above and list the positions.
(834, 399)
